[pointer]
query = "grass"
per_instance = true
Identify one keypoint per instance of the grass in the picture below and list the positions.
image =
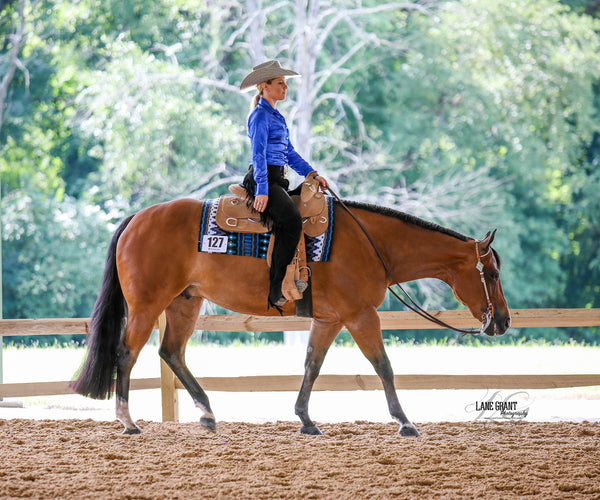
(344, 339)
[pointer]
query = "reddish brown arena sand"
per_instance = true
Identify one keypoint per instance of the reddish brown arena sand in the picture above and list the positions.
(87, 459)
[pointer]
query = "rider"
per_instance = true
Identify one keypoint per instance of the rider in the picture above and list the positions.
(265, 181)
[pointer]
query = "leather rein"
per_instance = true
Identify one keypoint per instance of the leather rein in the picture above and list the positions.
(410, 302)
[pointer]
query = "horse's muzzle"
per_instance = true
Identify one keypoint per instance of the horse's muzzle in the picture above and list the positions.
(495, 325)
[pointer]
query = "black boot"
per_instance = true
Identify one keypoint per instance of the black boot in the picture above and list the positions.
(276, 298)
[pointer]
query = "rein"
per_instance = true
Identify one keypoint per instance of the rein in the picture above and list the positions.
(410, 302)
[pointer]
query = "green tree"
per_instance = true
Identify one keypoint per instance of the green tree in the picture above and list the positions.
(53, 255)
(156, 138)
(469, 113)
(508, 94)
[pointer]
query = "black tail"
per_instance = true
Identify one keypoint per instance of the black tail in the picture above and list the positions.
(95, 377)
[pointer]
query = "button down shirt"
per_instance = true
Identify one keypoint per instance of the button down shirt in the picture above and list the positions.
(270, 140)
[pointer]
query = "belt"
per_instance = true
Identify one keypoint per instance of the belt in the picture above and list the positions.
(282, 168)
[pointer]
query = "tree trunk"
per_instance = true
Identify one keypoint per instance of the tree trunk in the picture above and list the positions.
(306, 13)
(257, 49)
(13, 59)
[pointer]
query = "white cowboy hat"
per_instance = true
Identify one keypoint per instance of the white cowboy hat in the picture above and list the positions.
(263, 72)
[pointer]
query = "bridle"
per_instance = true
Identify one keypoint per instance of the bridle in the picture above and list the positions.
(489, 314)
(410, 302)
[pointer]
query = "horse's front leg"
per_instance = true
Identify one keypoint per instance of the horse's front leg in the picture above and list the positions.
(321, 336)
(366, 331)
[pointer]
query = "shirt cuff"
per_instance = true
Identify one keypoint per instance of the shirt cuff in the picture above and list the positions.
(261, 189)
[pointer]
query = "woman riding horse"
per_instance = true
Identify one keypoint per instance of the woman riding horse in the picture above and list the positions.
(265, 182)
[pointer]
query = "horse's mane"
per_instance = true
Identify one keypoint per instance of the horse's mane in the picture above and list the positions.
(408, 218)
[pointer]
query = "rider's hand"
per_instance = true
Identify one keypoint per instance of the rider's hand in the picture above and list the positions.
(322, 182)
(260, 202)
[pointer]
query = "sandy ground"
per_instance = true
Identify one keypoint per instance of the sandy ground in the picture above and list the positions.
(88, 459)
(71, 447)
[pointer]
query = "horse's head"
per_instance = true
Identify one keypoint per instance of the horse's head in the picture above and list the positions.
(477, 285)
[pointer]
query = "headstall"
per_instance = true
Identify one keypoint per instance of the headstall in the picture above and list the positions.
(489, 314)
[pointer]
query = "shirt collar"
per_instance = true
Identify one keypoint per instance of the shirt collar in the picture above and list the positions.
(264, 104)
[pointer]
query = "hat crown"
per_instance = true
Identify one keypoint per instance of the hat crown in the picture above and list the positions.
(273, 64)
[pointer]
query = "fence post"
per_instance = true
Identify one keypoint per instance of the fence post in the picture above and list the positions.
(168, 393)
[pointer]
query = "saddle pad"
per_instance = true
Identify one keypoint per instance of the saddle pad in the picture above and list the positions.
(212, 239)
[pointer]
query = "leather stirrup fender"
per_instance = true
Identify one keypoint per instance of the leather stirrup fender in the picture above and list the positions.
(234, 215)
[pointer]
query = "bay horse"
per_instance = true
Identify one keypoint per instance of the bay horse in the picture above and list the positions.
(153, 265)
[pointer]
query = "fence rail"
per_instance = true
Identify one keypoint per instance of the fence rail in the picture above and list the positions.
(397, 320)
(390, 320)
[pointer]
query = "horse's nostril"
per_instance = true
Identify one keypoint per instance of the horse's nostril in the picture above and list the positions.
(507, 323)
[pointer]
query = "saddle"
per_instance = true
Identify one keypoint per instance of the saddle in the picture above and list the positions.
(234, 215)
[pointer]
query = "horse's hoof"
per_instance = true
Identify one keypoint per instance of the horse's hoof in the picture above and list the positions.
(208, 423)
(129, 431)
(409, 430)
(311, 430)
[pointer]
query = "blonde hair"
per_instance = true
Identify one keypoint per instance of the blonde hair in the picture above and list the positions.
(257, 97)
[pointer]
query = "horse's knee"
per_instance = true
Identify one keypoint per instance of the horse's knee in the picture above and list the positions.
(314, 358)
(382, 366)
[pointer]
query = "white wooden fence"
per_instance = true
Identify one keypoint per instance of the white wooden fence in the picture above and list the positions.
(390, 320)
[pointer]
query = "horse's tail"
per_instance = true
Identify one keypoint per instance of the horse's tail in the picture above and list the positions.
(96, 375)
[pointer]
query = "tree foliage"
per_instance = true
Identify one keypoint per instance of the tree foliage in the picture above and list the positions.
(468, 113)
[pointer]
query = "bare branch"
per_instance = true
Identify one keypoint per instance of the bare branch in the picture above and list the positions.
(348, 14)
(169, 51)
(13, 59)
(344, 99)
(256, 12)
(208, 182)
(325, 75)
(257, 47)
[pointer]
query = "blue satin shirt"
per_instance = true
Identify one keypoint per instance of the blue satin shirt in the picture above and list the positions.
(270, 141)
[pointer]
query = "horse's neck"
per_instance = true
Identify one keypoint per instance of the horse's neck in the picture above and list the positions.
(414, 252)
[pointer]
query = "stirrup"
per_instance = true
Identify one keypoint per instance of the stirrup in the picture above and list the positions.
(301, 285)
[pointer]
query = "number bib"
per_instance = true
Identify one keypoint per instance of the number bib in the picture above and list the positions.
(214, 244)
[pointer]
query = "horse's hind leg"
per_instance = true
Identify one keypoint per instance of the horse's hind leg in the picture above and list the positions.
(139, 328)
(366, 331)
(182, 314)
(321, 336)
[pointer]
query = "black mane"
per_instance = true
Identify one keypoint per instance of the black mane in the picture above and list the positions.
(404, 217)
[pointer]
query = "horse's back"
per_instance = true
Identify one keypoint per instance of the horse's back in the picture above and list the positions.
(171, 219)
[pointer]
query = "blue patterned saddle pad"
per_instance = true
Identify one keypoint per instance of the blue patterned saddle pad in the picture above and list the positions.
(213, 239)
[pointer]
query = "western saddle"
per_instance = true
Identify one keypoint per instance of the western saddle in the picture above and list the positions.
(234, 215)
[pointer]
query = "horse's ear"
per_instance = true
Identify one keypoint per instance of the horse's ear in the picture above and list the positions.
(487, 240)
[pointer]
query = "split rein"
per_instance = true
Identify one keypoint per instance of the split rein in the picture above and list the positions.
(410, 302)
